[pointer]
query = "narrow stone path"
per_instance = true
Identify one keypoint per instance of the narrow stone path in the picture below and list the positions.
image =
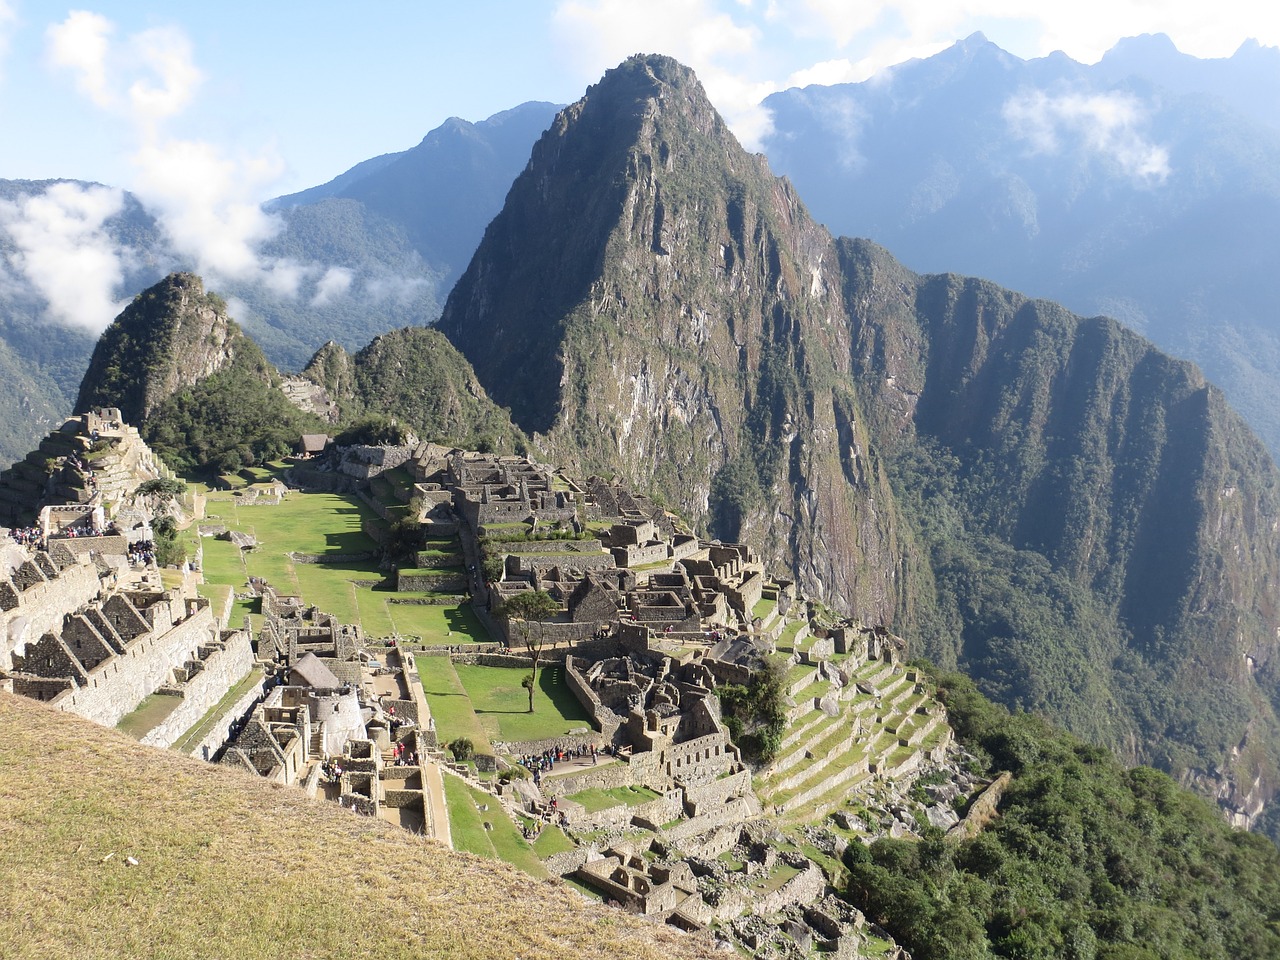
(433, 797)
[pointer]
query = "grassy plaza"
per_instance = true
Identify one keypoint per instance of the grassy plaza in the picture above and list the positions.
(326, 525)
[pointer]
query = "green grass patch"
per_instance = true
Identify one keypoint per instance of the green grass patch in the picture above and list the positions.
(437, 623)
(502, 704)
(596, 799)
(148, 715)
(450, 704)
(502, 841)
(552, 841)
(446, 571)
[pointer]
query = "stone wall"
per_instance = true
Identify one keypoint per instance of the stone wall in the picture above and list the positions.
(527, 563)
(604, 719)
(566, 742)
(603, 777)
(702, 797)
(223, 669)
(118, 685)
(407, 582)
(211, 743)
(805, 887)
(496, 660)
(29, 614)
(336, 558)
(589, 547)
(699, 760)
(650, 815)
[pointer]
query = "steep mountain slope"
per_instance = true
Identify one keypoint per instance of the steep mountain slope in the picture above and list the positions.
(1143, 187)
(651, 300)
(1075, 517)
(416, 376)
(1102, 526)
(200, 390)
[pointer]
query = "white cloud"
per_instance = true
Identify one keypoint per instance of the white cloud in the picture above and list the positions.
(205, 202)
(173, 78)
(64, 252)
(335, 283)
(1107, 125)
(398, 289)
(81, 44)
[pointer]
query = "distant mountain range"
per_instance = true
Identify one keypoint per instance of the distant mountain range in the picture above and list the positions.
(1145, 187)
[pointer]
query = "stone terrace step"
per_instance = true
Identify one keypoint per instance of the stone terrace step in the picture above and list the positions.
(834, 740)
(825, 803)
(805, 719)
(834, 775)
(816, 733)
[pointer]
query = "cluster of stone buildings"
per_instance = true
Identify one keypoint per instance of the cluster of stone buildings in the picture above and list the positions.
(651, 621)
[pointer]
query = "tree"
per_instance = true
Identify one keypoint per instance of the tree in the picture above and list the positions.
(521, 612)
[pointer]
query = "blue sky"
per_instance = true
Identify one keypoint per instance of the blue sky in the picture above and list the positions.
(287, 94)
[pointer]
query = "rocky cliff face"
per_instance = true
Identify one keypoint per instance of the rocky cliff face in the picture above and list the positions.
(1075, 446)
(1049, 502)
(171, 336)
(652, 300)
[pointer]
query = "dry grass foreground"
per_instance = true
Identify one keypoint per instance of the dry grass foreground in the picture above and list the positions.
(231, 866)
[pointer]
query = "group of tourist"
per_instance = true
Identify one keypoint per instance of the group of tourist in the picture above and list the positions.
(546, 761)
(142, 552)
(30, 537)
(402, 756)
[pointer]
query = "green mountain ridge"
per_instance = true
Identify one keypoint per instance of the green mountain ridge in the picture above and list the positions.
(1046, 501)
(206, 398)
(417, 377)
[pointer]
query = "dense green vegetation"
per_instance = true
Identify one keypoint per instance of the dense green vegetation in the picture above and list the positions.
(416, 377)
(235, 418)
(1086, 860)
(756, 714)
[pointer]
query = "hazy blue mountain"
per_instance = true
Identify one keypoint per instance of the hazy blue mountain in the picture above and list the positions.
(441, 193)
(1146, 187)
(377, 248)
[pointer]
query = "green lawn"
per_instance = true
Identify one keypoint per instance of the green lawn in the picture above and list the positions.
(502, 704)
(322, 523)
(488, 703)
(596, 799)
(148, 715)
(551, 841)
(503, 841)
(450, 705)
